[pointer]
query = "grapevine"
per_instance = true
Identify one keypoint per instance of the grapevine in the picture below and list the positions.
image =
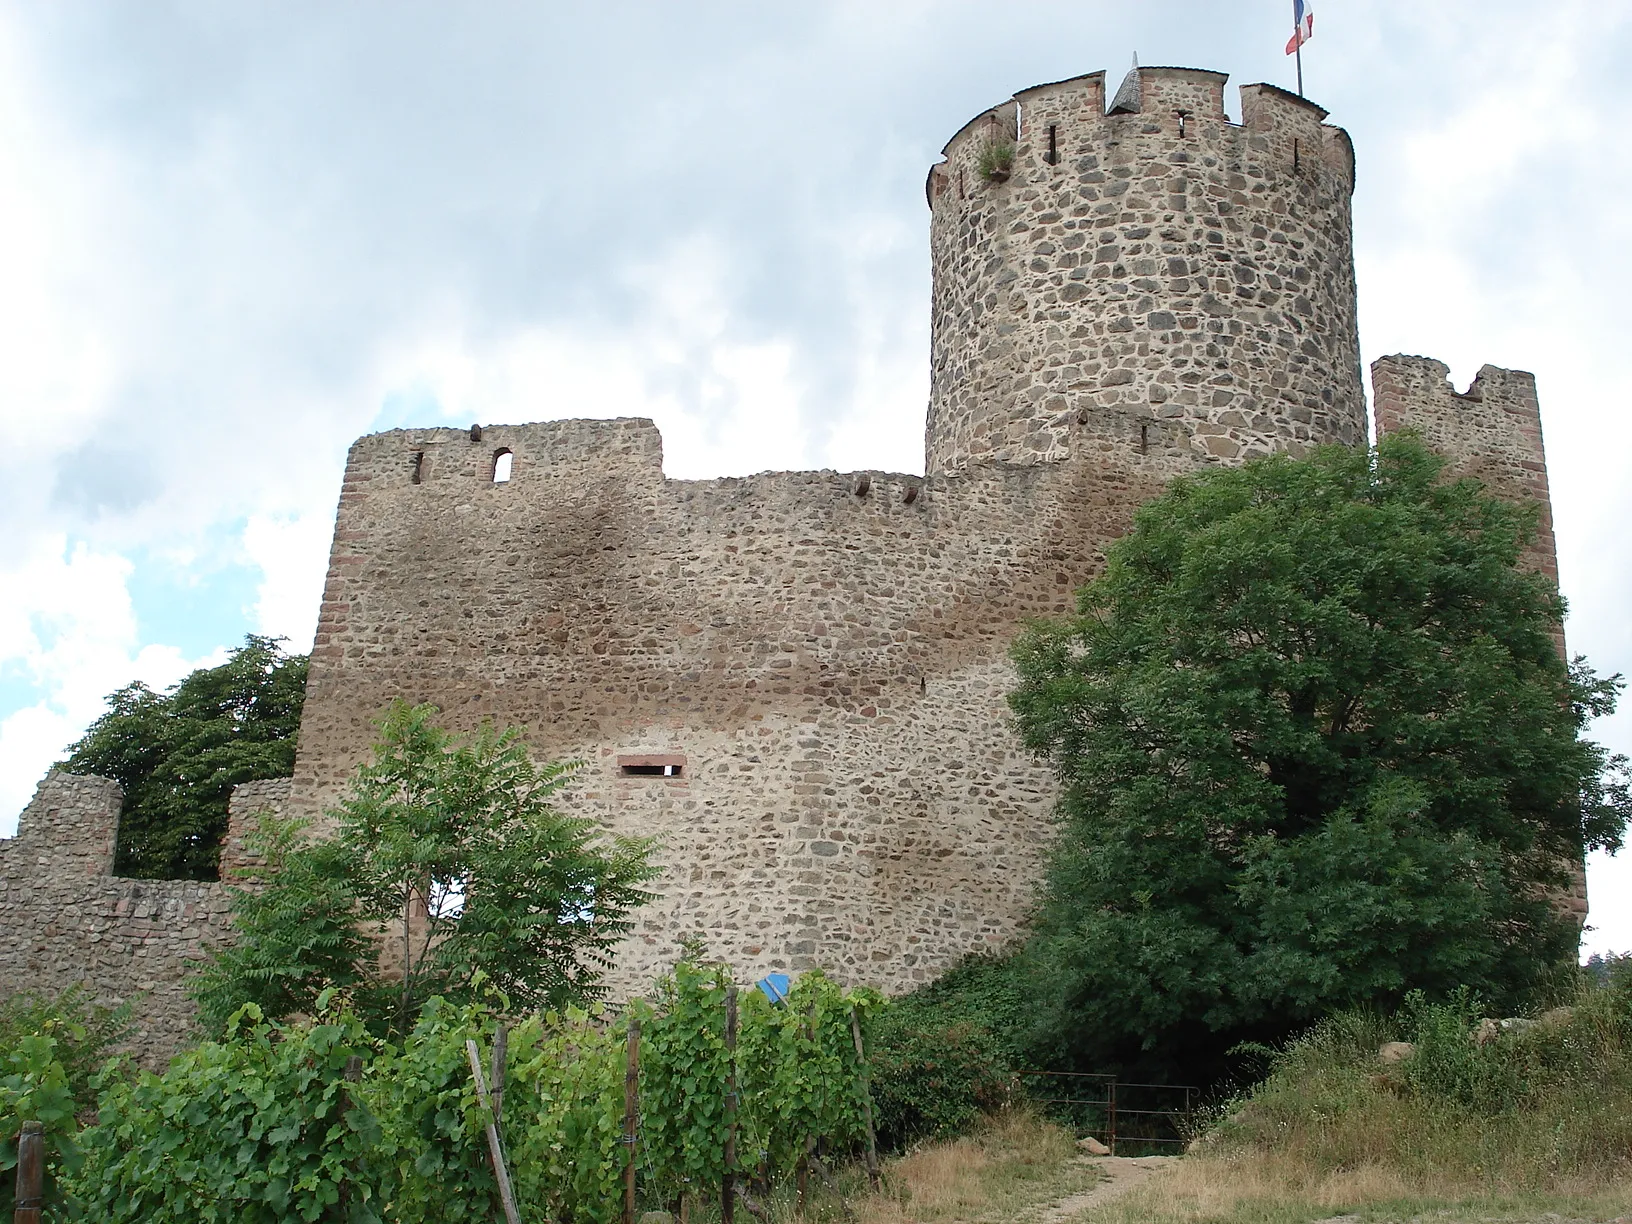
(277, 1124)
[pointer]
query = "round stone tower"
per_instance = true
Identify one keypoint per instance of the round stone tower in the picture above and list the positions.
(1151, 260)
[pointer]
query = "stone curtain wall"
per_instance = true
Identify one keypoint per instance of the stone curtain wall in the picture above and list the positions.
(826, 653)
(1157, 260)
(64, 919)
(1491, 431)
(818, 661)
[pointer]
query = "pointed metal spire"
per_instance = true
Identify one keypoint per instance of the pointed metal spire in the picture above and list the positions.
(1126, 101)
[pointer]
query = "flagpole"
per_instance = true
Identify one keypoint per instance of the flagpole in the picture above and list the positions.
(1300, 70)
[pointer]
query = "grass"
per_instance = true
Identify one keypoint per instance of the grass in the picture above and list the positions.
(1014, 1166)
(1532, 1125)
(995, 160)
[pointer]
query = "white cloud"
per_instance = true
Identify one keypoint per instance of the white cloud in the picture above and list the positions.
(67, 626)
(292, 554)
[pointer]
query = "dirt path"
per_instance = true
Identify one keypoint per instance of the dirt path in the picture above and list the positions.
(1122, 1173)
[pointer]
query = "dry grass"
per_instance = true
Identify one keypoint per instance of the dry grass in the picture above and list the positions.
(1532, 1127)
(1014, 1167)
(1262, 1188)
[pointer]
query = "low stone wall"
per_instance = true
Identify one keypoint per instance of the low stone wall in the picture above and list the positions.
(64, 919)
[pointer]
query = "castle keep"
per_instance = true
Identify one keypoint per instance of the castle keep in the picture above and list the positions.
(797, 680)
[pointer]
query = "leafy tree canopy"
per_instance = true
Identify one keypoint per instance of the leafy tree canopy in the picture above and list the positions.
(179, 754)
(453, 852)
(1318, 749)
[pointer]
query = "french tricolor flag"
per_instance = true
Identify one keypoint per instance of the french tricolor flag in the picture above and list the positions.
(1303, 25)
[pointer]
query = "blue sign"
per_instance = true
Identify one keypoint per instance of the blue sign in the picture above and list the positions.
(775, 986)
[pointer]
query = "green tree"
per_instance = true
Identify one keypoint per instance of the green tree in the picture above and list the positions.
(1318, 749)
(297, 930)
(179, 754)
(452, 851)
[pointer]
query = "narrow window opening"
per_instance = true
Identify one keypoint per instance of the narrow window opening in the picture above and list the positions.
(1183, 115)
(1294, 155)
(501, 465)
(662, 765)
(1144, 438)
(419, 466)
(1053, 145)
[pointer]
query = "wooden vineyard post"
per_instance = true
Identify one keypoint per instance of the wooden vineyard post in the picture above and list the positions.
(728, 1206)
(353, 1074)
(495, 1149)
(802, 1173)
(866, 1102)
(30, 1173)
(501, 1053)
(631, 1114)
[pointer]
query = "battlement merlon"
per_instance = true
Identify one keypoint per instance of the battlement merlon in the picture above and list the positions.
(1491, 431)
(1063, 118)
(69, 827)
(1296, 129)
(548, 448)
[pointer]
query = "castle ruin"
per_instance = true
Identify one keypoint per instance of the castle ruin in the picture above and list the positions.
(797, 680)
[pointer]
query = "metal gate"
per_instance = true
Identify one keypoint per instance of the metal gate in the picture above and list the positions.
(1138, 1118)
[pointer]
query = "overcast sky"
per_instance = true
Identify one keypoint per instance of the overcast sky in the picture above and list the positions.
(235, 236)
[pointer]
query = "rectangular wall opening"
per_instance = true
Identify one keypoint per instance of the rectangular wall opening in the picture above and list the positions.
(652, 765)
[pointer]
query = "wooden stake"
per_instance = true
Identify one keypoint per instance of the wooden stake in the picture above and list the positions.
(501, 1052)
(866, 1103)
(802, 1171)
(495, 1149)
(728, 1198)
(30, 1173)
(353, 1074)
(631, 1115)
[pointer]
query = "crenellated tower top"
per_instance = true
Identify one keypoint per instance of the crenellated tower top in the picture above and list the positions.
(1150, 259)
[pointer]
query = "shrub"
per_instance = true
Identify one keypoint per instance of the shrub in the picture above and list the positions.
(946, 1054)
(50, 1051)
(83, 1030)
(262, 1128)
(1543, 1107)
(995, 161)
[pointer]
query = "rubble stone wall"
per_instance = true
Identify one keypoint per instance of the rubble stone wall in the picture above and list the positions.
(825, 654)
(1157, 260)
(1491, 431)
(64, 920)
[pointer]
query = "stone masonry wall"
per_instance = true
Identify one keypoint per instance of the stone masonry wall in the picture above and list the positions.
(1157, 261)
(824, 654)
(1491, 431)
(66, 920)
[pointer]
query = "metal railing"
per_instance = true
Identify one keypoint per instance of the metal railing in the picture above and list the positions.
(1115, 1111)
